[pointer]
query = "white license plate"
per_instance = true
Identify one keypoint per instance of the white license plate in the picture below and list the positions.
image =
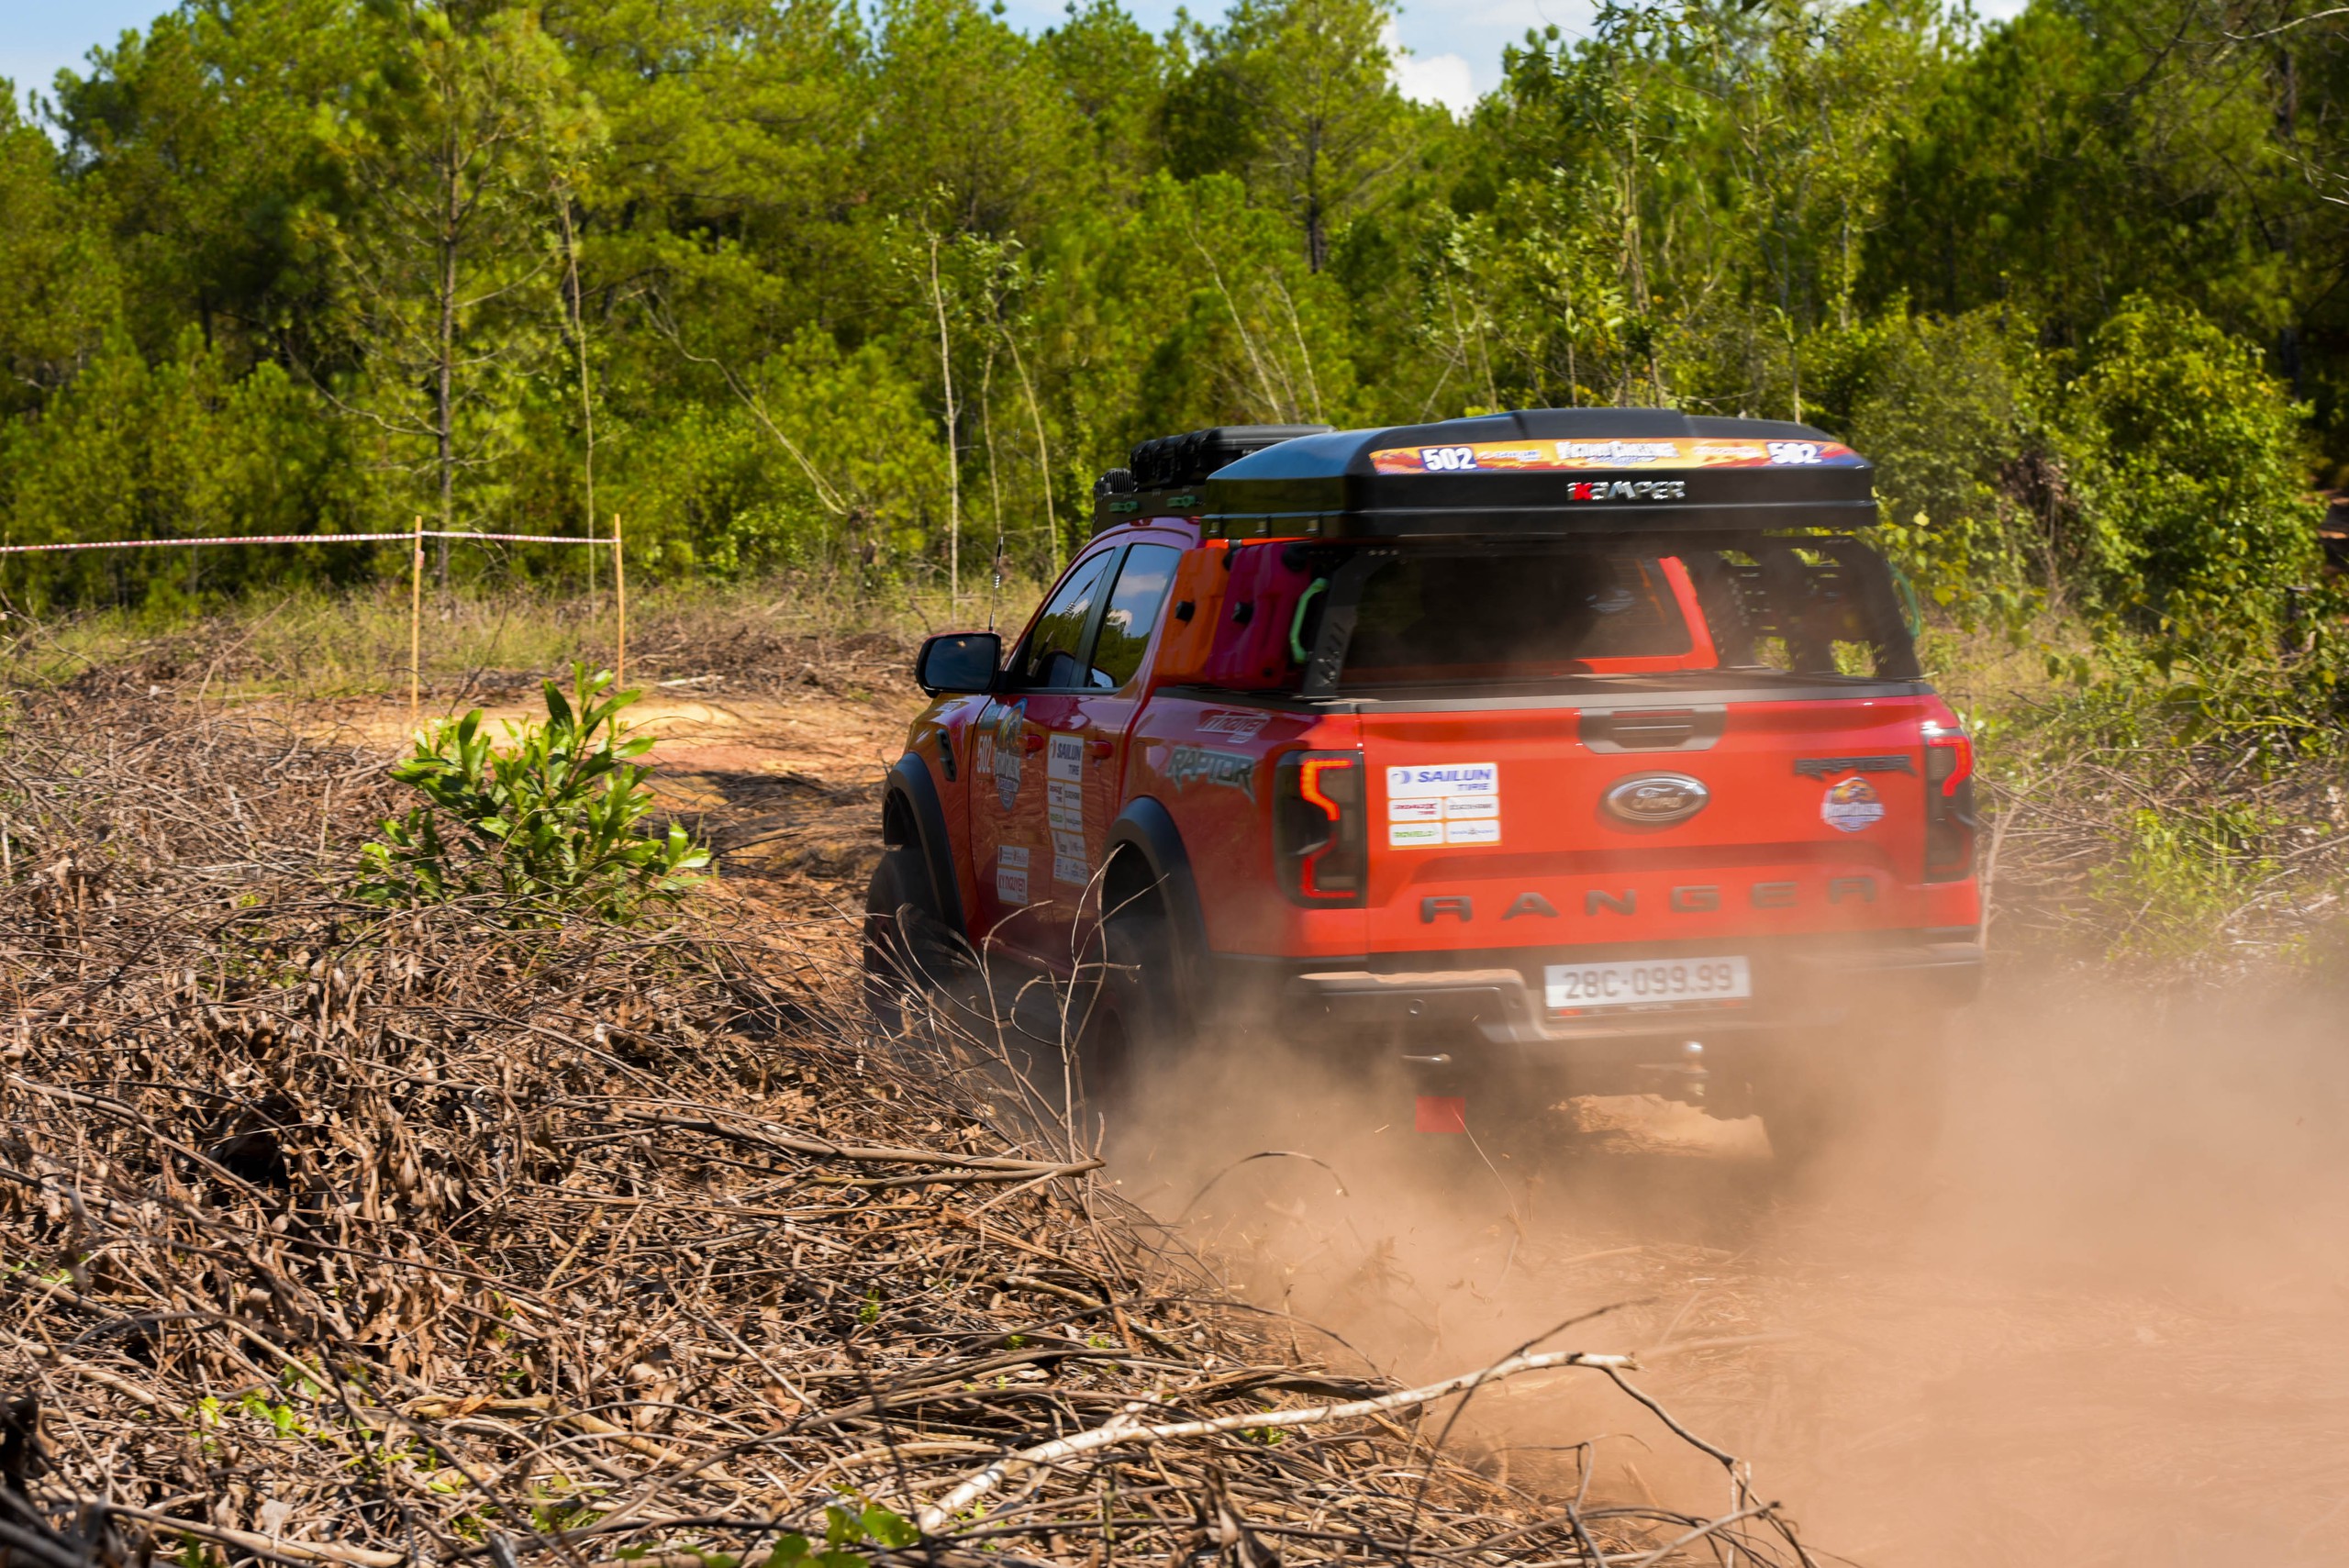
(1646, 983)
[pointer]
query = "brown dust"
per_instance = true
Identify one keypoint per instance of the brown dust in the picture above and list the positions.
(2106, 1321)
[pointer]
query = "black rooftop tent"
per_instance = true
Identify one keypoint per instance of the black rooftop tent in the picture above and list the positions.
(1533, 472)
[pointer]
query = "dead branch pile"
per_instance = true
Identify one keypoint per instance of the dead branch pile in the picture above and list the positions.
(2210, 857)
(329, 1236)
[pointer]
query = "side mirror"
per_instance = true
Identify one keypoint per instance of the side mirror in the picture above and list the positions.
(958, 662)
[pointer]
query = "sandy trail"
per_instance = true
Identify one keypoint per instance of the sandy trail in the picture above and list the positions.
(2110, 1324)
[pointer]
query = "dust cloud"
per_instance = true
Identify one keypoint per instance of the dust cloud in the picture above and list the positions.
(2106, 1321)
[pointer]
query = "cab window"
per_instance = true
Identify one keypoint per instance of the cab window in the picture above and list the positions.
(1434, 616)
(1134, 607)
(1048, 660)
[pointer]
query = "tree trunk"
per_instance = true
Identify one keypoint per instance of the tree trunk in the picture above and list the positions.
(953, 468)
(586, 394)
(445, 369)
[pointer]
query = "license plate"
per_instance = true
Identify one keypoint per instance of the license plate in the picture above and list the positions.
(1623, 984)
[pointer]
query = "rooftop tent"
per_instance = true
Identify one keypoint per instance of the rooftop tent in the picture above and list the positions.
(1543, 471)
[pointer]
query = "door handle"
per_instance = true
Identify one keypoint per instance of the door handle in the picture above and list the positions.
(1100, 747)
(1032, 742)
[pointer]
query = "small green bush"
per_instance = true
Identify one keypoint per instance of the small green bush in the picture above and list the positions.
(543, 826)
(2199, 479)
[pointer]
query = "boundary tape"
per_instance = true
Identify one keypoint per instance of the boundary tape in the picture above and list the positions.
(414, 538)
(410, 534)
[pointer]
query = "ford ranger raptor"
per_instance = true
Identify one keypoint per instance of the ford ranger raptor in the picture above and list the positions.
(1546, 752)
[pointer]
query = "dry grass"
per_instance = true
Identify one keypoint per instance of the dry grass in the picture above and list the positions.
(334, 1236)
(315, 644)
(2189, 828)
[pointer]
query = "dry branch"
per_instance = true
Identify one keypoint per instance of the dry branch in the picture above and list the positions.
(338, 1236)
(1125, 1432)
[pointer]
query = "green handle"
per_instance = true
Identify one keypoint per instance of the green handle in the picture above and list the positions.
(1297, 622)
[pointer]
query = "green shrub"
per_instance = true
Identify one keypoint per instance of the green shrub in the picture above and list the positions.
(1949, 416)
(2200, 486)
(544, 825)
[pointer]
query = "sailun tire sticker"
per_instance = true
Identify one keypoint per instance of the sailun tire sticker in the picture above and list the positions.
(1064, 781)
(1447, 803)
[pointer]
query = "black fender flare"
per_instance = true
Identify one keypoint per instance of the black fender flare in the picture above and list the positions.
(911, 813)
(1145, 830)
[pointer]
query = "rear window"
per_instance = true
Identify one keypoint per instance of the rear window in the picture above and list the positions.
(1427, 617)
(1353, 620)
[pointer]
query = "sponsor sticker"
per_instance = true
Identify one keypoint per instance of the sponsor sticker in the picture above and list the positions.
(1071, 868)
(1443, 780)
(1009, 726)
(1555, 456)
(1232, 726)
(1852, 805)
(1069, 844)
(1628, 490)
(1065, 758)
(1187, 765)
(1443, 803)
(1611, 453)
(986, 761)
(1011, 872)
(1064, 805)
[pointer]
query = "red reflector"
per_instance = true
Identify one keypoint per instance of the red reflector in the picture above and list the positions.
(1440, 1113)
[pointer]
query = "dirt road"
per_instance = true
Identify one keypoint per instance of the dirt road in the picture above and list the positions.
(2109, 1323)
(2111, 1327)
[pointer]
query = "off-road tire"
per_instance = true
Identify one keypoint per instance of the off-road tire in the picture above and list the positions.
(907, 950)
(1130, 1019)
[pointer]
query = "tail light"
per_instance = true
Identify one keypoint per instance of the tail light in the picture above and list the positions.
(1320, 844)
(1949, 801)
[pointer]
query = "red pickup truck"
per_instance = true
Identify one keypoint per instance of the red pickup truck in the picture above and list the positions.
(1555, 752)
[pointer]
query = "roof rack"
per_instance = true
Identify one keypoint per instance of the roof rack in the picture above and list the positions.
(1532, 473)
(1157, 470)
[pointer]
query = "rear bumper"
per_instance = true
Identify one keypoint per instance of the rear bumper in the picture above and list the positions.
(1495, 997)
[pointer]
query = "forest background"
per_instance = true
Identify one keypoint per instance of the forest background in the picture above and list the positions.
(877, 292)
(866, 298)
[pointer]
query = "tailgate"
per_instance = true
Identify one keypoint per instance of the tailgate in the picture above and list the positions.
(1628, 824)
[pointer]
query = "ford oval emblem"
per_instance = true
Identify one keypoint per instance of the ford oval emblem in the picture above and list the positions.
(1653, 799)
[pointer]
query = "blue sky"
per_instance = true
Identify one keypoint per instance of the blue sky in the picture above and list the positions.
(1455, 45)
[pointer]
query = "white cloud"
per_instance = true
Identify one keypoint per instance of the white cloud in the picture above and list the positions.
(1446, 79)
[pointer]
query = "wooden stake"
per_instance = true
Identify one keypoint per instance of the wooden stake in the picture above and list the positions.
(416, 625)
(619, 596)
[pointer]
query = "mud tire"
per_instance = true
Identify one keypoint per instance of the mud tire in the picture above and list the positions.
(907, 950)
(1129, 1021)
